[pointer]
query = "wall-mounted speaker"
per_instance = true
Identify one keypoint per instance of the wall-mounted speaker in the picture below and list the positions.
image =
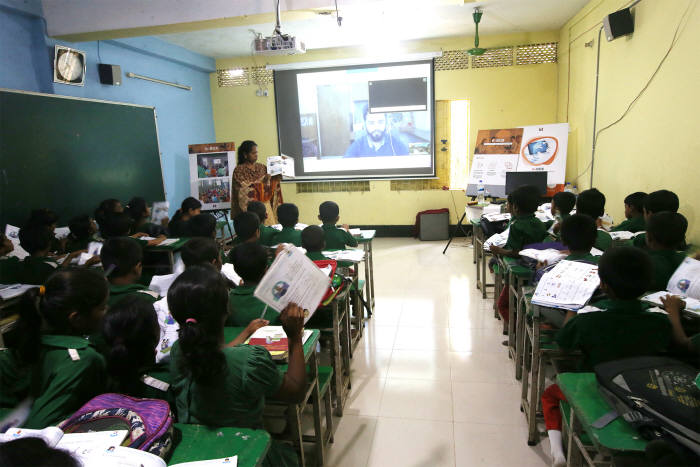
(110, 74)
(618, 24)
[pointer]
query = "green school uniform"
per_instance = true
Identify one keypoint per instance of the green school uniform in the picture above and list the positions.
(9, 268)
(623, 329)
(266, 235)
(337, 239)
(634, 224)
(587, 257)
(245, 307)
(640, 241)
(117, 292)
(315, 256)
(524, 230)
(287, 235)
(70, 372)
(75, 244)
(664, 264)
(35, 270)
(603, 240)
(235, 398)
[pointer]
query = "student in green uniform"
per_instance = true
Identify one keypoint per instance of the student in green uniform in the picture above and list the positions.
(38, 266)
(288, 215)
(592, 203)
(246, 225)
(82, 232)
(657, 201)
(266, 233)
(9, 265)
(131, 332)
(250, 262)
(120, 224)
(48, 219)
(665, 233)
(674, 305)
(189, 208)
(121, 259)
(561, 206)
(220, 384)
(579, 233)
(524, 227)
(105, 208)
(623, 329)
(50, 360)
(336, 238)
(201, 225)
(634, 213)
(313, 241)
(140, 214)
(199, 251)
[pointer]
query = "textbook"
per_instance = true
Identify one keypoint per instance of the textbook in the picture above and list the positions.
(230, 273)
(684, 283)
(129, 457)
(10, 291)
(298, 226)
(168, 330)
(159, 211)
(568, 285)
(498, 239)
(624, 235)
(81, 445)
(497, 216)
(351, 255)
(161, 284)
(691, 304)
(293, 278)
(280, 165)
(550, 255)
(274, 339)
(12, 233)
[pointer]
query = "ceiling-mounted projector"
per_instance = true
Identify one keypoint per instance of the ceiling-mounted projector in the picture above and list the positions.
(278, 43)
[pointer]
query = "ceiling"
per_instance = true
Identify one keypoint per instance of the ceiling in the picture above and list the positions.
(382, 22)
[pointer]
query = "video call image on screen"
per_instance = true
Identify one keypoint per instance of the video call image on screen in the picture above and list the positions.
(366, 118)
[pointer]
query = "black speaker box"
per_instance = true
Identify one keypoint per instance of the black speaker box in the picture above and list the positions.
(110, 74)
(618, 24)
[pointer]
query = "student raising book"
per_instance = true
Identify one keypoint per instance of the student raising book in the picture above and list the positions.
(665, 233)
(189, 208)
(656, 201)
(250, 262)
(591, 202)
(336, 239)
(266, 233)
(220, 384)
(621, 329)
(50, 360)
(288, 216)
(121, 259)
(140, 213)
(313, 241)
(634, 213)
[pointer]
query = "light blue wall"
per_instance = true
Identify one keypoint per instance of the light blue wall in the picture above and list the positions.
(184, 117)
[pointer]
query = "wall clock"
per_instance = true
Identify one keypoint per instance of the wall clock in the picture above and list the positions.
(68, 66)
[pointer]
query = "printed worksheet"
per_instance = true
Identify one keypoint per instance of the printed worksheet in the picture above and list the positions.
(569, 285)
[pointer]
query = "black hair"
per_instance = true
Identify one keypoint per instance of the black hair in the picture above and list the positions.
(249, 261)
(636, 201)
(661, 200)
(564, 201)
(106, 207)
(33, 451)
(246, 224)
(244, 149)
(667, 229)
(43, 217)
(312, 238)
(120, 255)
(288, 214)
(579, 232)
(198, 300)
(35, 237)
(626, 270)
(132, 332)
(258, 208)
(201, 225)
(137, 209)
(80, 227)
(65, 291)
(591, 202)
(199, 250)
(116, 224)
(526, 198)
(328, 211)
(187, 204)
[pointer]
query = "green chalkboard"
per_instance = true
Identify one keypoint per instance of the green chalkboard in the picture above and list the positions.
(67, 154)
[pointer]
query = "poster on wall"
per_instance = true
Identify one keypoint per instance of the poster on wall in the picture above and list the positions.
(211, 166)
(536, 148)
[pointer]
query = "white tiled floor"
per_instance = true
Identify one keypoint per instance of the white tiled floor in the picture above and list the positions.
(432, 384)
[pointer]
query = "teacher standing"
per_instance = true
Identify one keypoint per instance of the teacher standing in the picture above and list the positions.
(251, 182)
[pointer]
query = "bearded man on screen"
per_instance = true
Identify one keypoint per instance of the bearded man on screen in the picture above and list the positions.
(377, 139)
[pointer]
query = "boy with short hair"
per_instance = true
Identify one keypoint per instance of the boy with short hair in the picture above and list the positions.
(201, 225)
(524, 227)
(36, 240)
(266, 232)
(622, 329)
(634, 213)
(313, 241)
(656, 201)
(578, 233)
(335, 238)
(121, 259)
(82, 229)
(591, 202)
(665, 233)
(201, 250)
(561, 206)
(250, 262)
(246, 226)
(288, 215)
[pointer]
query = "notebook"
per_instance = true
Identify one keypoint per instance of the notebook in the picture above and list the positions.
(274, 339)
(568, 285)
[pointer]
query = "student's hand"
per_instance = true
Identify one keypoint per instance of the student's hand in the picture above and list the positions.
(6, 246)
(673, 305)
(139, 235)
(71, 256)
(345, 227)
(157, 241)
(556, 228)
(292, 318)
(280, 248)
(255, 325)
(165, 221)
(496, 250)
(92, 261)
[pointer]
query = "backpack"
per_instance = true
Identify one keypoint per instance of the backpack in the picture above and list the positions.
(149, 421)
(337, 284)
(657, 395)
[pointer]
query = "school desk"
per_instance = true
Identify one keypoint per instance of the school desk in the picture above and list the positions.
(200, 443)
(168, 251)
(518, 277)
(366, 241)
(585, 405)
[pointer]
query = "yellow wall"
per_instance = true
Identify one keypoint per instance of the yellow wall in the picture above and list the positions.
(657, 144)
(500, 97)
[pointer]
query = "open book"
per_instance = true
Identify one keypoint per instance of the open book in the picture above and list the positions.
(274, 339)
(293, 278)
(550, 255)
(685, 283)
(280, 165)
(497, 216)
(159, 211)
(351, 255)
(9, 291)
(568, 285)
(498, 239)
(624, 235)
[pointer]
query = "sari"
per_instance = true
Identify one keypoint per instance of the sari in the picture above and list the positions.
(250, 182)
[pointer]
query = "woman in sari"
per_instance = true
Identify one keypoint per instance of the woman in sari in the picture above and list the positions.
(251, 182)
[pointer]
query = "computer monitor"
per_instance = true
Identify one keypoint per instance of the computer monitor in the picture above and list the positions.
(515, 180)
